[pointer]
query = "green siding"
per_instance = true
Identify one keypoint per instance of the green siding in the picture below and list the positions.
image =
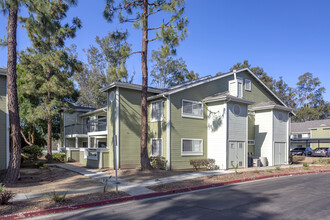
(105, 160)
(258, 92)
(130, 128)
(75, 155)
(82, 160)
(320, 133)
(3, 123)
(251, 126)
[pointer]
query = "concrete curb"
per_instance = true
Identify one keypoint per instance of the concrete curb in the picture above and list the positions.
(143, 196)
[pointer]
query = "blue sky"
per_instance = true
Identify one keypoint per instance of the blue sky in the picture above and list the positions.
(285, 37)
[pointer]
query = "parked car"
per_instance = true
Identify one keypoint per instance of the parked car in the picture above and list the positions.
(308, 151)
(321, 152)
(299, 151)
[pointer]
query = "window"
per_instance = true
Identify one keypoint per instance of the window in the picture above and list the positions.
(192, 109)
(192, 147)
(156, 146)
(247, 85)
(240, 88)
(84, 144)
(102, 144)
(157, 111)
(299, 136)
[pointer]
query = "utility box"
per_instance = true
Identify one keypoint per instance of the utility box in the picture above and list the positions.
(256, 162)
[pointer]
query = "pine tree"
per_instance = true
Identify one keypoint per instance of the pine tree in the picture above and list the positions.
(48, 64)
(106, 64)
(286, 93)
(11, 7)
(167, 71)
(170, 32)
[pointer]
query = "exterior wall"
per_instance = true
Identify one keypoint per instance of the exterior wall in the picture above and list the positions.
(251, 133)
(105, 160)
(111, 125)
(130, 128)
(217, 133)
(258, 93)
(157, 129)
(264, 135)
(237, 123)
(75, 155)
(320, 133)
(3, 123)
(82, 159)
(280, 126)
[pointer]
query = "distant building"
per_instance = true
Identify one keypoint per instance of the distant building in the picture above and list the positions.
(312, 134)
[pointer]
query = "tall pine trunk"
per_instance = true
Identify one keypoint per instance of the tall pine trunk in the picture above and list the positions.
(145, 163)
(49, 123)
(15, 138)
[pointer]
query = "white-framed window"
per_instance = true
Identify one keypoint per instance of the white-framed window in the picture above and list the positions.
(248, 85)
(156, 111)
(239, 88)
(192, 109)
(156, 147)
(191, 147)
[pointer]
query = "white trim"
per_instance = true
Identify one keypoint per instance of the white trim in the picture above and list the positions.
(273, 141)
(161, 150)
(287, 139)
(117, 127)
(228, 98)
(168, 133)
(247, 82)
(130, 86)
(192, 116)
(277, 107)
(192, 153)
(7, 130)
(162, 107)
(246, 147)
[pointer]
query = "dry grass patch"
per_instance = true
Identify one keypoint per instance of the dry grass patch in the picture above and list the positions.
(46, 203)
(50, 179)
(228, 177)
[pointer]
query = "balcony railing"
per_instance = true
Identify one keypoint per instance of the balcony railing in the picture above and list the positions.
(93, 126)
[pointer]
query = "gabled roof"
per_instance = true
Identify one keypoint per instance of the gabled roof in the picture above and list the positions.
(94, 112)
(130, 86)
(304, 127)
(224, 96)
(271, 105)
(79, 109)
(3, 72)
(204, 80)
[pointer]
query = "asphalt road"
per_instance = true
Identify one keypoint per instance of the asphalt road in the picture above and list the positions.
(295, 197)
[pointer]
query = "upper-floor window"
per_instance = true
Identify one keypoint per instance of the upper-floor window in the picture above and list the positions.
(192, 109)
(157, 111)
(248, 85)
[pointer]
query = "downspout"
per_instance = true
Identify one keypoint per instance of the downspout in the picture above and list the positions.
(168, 132)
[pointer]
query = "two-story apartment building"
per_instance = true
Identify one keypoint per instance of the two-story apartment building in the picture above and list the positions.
(227, 117)
(312, 134)
(4, 121)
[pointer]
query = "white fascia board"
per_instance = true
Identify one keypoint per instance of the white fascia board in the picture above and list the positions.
(273, 107)
(128, 86)
(94, 112)
(233, 99)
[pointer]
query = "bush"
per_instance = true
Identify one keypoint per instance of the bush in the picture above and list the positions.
(158, 162)
(208, 163)
(59, 157)
(277, 167)
(305, 164)
(31, 153)
(41, 165)
(57, 197)
(5, 195)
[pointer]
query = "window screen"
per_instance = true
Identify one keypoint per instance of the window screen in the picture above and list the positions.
(156, 147)
(191, 108)
(192, 146)
(156, 111)
(247, 85)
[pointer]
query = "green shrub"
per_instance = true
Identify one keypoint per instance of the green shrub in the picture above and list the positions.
(40, 165)
(59, 157)
(31, 153)
(314, 162)
(198, 163)
(277, 167)
(57, 197)
(235, 167)
(269, 171)
(305, 164)
(158, 162)
(5, 195)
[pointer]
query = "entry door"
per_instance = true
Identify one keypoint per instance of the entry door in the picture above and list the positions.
(279, 153)
(236, 154)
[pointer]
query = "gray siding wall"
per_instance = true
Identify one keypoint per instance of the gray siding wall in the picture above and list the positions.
(237, 123)
(3, 123)
(280, 126)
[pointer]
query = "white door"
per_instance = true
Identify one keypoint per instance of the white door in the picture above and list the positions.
(236, 154)
(280, 153)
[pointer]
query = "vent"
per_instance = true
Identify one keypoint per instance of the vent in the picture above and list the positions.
(251, 142)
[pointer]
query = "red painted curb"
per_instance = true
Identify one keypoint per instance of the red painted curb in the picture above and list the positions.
(143, 196)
